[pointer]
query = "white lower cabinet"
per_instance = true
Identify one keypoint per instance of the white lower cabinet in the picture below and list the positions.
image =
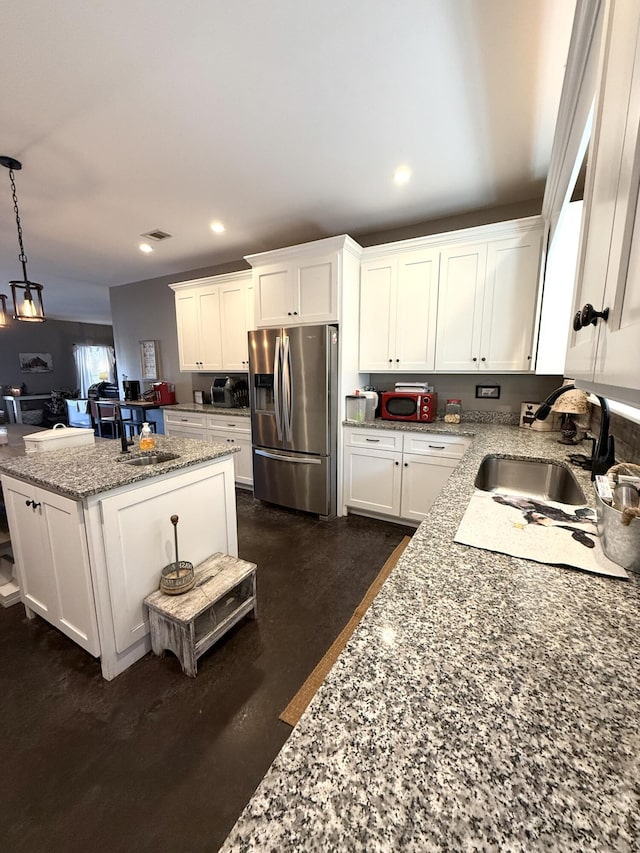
(52, 560)
(237, 432)
(398, 474)
(220, 429)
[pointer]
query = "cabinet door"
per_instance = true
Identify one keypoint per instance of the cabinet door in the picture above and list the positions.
(618, 350)
(509, 304)
(233, 326)
(377, 314)
(460, 298)
(273, 296)
(242, 461)
(188, 328)
(68, 560)
(52, 560)
(423, 478)
(316, 290)
(186, 431)
(416, 310)
(372, 480)
(37, 586)
(209, 329)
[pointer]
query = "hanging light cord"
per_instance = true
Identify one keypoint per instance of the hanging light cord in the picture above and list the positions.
(21, 257)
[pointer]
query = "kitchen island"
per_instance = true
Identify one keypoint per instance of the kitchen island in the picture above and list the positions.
(91, 533)
(484, 703)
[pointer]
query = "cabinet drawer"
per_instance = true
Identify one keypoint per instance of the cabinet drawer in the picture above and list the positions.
(374, 439)
(229, 424)
(185, 419)
(434, 444)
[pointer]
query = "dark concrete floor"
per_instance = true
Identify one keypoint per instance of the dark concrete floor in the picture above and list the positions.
(155, 760)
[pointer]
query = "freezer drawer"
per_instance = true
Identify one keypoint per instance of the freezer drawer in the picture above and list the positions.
(299, 481)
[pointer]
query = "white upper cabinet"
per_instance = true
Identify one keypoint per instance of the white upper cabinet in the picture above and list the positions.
(487, 304)
(212, 319)
(398, 304)
(604, 353)
(300, 284)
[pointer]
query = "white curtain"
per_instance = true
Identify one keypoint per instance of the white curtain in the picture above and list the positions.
(93, 364)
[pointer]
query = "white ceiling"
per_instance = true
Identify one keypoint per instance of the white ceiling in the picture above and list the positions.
(283, 119)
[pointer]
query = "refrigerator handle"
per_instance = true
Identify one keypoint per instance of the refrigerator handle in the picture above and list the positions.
(276, 387)
(287, 408)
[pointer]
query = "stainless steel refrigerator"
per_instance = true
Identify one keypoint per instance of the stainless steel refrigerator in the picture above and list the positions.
(293, 380)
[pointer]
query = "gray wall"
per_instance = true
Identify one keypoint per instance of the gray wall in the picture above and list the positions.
(514, 389)
(53, 336)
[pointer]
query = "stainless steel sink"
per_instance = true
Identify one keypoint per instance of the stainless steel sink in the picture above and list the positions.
(549, 481)
(148, 458)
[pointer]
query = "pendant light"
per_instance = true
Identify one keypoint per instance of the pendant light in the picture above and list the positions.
(27, 295)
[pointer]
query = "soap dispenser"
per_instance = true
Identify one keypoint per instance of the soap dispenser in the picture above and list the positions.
(147, 441)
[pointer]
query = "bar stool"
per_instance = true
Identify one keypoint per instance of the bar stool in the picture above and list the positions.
(104, 416)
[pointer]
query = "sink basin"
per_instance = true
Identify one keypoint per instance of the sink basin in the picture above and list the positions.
(148, 459)
(549, 481)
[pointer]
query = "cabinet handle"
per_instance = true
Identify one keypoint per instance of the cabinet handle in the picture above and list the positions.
(397, 360)
(589, 316)
(474, 359)
(397, 463)
(372, 439)
(28, 503)
(577, 321)
(295, 313)
(483, 359)
(436, 446)
(32, 504)
(390, 361)
(406, 464)
(288, 313)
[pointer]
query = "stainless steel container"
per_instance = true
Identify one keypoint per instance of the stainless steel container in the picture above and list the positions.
(620, 543)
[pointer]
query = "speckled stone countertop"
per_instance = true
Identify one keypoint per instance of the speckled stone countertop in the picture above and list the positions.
(79, 472)
(208, 409)
(485, 703)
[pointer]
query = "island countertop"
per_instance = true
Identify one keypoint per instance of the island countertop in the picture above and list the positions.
(79, 472)
(485, 702)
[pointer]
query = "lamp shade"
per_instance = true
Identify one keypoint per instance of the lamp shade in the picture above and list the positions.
(572, 403)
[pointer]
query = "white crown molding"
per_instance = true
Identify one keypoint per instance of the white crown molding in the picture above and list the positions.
(315, 247)
(224, 278)
(479, 233)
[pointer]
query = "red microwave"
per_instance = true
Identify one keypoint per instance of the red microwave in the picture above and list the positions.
(408, 406)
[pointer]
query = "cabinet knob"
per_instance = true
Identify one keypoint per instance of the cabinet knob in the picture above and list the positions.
(577, 321)
(295, 313)
(288, 313)
(397, 463)
(474, 359)
(28, 503)
(390, 361)
(397, 361)
(589, 315)
(483, 359)
(406, 464)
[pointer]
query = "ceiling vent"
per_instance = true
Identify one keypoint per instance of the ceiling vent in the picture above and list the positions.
(156, 235)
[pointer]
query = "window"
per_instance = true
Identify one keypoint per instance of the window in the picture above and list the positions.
(93, 364)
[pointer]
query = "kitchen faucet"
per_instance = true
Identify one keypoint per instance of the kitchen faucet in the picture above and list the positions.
(603, 456)
(125, 442)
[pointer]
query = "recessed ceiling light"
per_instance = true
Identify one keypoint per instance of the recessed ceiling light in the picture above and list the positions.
(145, 247)
(402, 175)
(217, 227)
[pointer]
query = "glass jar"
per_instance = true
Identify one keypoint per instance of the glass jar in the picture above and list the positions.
(453, 412)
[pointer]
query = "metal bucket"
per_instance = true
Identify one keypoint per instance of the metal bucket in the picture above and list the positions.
(620, 543)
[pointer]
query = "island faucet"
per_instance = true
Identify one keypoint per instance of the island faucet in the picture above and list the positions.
(604, 450)
(125, 443)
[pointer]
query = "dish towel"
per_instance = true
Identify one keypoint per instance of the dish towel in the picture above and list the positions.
(543, 531)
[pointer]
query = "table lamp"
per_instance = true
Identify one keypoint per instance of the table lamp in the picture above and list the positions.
(569, 405)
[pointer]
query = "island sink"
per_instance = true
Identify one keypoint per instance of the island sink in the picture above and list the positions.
(549, 481)
(148, 458)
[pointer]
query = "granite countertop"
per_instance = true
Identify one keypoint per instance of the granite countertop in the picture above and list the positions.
(79, 472)
(208, 409)
(484, 703)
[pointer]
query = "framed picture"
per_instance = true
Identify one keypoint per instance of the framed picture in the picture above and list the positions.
(35, 362)
(150, 358)
(487, 392)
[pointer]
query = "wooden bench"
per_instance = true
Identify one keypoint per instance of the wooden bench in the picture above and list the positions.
(189, 624)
